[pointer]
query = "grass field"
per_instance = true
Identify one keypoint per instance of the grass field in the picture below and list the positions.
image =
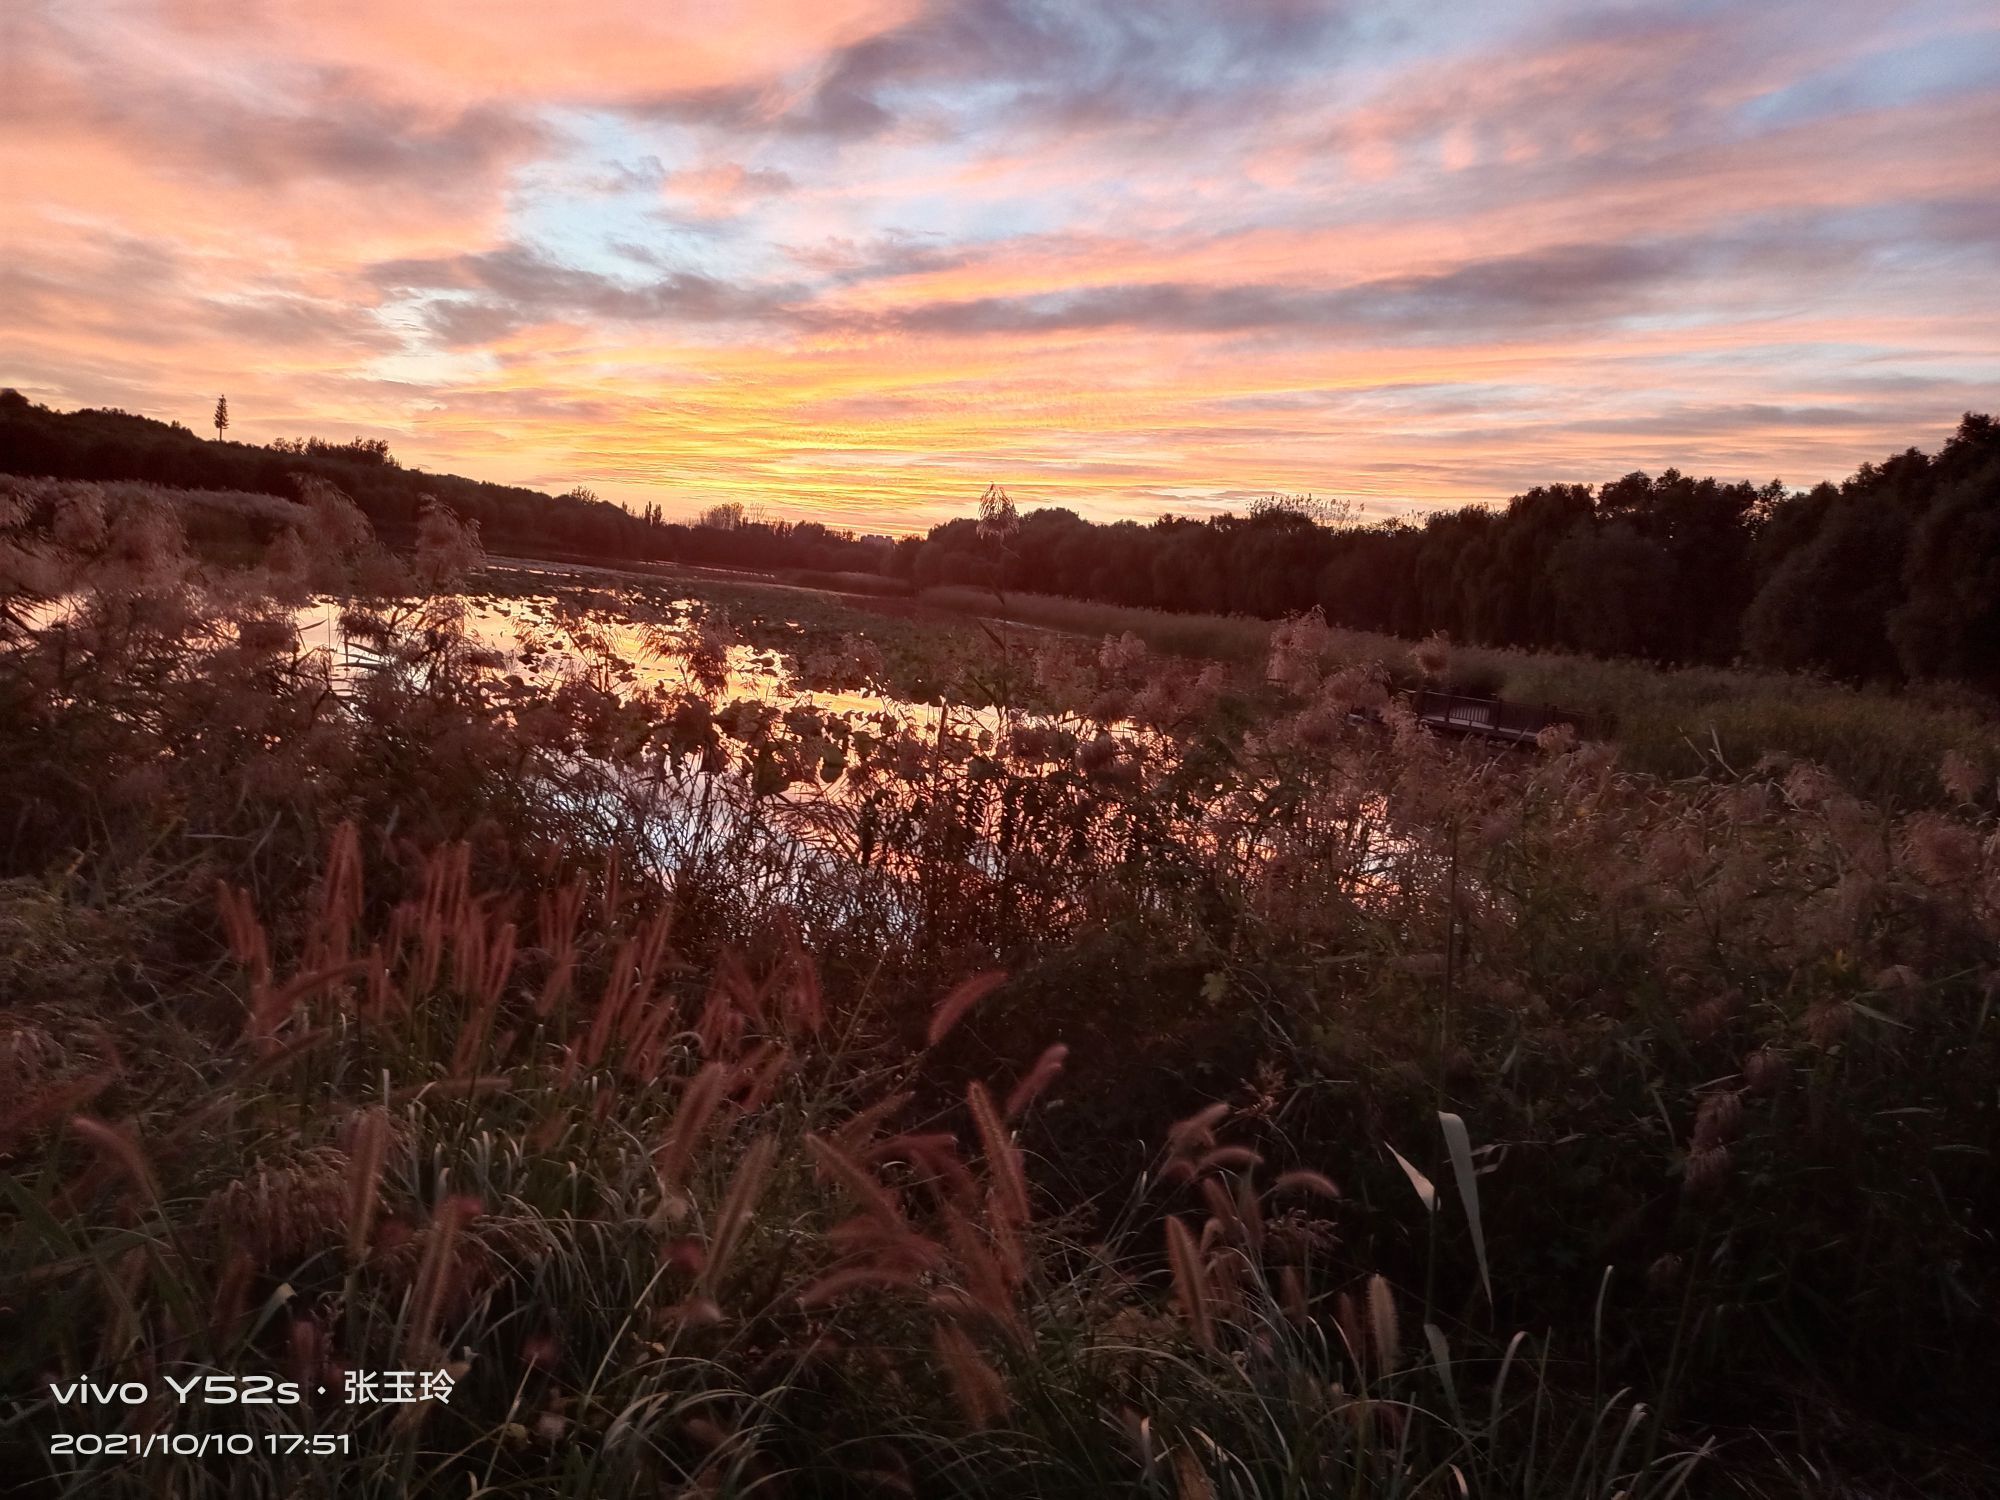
(1670, 723)
(968, 1061)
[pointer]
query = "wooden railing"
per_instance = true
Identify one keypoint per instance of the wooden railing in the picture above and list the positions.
(1495, 718)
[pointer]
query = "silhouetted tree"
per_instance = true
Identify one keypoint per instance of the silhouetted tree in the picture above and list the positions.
(1948, 624)
(1826, 606)
(1672, 568)
(221, 416)
(98, 444)
(1893, 574)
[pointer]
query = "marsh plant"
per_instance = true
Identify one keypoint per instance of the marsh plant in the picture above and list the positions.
(1118, 1076)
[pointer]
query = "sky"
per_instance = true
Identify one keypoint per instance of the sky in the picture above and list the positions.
(854, 260)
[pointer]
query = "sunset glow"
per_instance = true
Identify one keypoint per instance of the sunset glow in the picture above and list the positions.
(856, 260)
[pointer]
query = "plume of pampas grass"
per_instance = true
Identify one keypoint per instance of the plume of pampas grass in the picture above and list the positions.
(1003, 1158)
(962, 997)
(1190, 1281)
(367, 1151)
(1197, 1131)
(1301, 1180)
(739, 1202)
(850, 1174)
(1385, 1335)
(120, 1150)
(1035, 1080)
(434, 1276)
(982, 1395)
(675, 1154)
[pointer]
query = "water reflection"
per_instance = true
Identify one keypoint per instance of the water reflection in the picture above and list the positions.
(821, 781)
(861, 788)
(548, 638)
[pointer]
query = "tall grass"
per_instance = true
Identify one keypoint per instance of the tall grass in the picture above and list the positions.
(747, 1098)
(1670, 722)
(805, 1286)
(1232, 638)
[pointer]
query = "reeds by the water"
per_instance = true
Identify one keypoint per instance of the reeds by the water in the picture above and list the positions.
(1901, 746)
(1064, 1144)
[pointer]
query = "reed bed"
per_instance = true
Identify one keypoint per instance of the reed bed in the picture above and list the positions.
(1672, 722)
(1123, 1089)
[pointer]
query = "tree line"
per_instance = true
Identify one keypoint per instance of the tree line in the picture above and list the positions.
(1891, 575)
(106, 444)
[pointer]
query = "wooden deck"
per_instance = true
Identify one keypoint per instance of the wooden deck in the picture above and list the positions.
(1491, 718)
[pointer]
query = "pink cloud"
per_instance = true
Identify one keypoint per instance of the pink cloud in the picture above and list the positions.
(1073, 250)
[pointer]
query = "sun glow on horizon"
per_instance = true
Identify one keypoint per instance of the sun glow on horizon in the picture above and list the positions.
(854, 261)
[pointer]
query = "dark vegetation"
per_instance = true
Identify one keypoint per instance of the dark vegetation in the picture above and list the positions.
(1359, 1114)
(1884, 742)
(1891, 576)
(117, 445)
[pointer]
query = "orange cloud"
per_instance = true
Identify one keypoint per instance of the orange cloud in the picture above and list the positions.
(858, 258)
